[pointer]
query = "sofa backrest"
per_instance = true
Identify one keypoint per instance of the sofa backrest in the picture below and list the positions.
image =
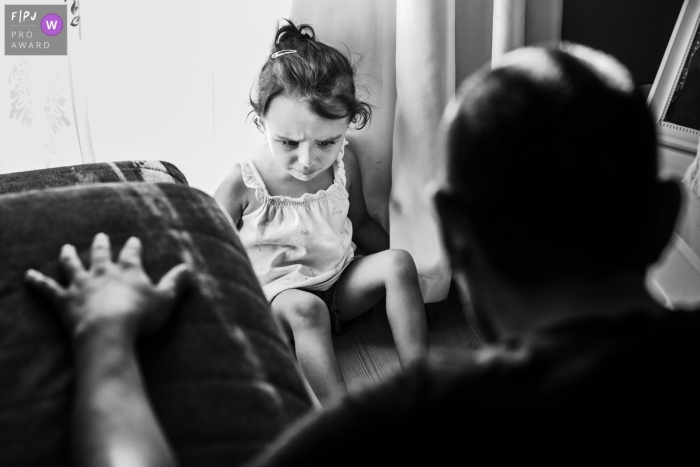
(91, 174)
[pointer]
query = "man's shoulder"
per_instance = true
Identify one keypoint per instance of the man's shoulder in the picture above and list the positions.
(602, 376)
(591, 368)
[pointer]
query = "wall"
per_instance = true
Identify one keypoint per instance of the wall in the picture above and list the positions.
(634, 31)
(164, 79)
(637, 33)
(37, 124)
(678, 272)
(177, 87)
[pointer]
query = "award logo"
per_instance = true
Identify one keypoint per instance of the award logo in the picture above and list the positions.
(36, 30)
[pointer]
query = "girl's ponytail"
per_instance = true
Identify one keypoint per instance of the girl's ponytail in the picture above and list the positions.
(290, 35)
(301, 67)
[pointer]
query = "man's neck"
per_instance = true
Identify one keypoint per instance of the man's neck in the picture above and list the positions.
(515, 310)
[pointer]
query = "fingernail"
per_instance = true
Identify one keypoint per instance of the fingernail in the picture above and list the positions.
(30, 273)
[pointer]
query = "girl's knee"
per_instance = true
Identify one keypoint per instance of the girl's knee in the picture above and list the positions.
(307, 312)
(401, 264)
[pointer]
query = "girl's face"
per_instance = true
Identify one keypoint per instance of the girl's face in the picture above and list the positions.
(301, 142)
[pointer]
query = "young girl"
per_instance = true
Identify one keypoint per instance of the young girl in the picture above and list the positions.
(299, 208)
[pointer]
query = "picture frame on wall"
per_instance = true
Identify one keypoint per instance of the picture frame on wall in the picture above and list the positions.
(674, 98)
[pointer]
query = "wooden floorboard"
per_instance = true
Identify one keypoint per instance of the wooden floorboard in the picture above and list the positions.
(367, 354)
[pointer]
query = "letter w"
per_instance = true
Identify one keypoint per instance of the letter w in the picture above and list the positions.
(51, 24)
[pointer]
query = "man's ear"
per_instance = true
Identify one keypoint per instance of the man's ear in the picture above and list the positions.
(454, 226)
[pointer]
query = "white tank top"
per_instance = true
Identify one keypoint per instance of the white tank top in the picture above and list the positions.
(298, 243)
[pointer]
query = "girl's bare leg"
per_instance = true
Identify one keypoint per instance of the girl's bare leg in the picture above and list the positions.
(390, 272)
(306, 317)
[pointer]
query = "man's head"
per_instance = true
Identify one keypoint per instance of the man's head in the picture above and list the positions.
(552, 169)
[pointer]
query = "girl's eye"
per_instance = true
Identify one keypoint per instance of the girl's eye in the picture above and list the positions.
(325, 144)
(290, 144)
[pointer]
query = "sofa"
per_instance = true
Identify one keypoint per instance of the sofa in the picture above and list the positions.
(221, 379)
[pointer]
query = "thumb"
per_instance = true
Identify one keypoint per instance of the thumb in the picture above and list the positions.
(44, 286)
(176, 281)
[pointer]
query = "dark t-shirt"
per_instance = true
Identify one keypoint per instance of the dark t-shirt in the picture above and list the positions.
(580, 388)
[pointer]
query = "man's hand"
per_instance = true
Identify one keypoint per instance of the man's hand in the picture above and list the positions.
(109, 294)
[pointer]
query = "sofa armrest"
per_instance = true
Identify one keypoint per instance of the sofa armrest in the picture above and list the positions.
(222, 381)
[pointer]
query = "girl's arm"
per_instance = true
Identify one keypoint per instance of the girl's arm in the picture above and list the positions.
(367, 234)
(232, 195)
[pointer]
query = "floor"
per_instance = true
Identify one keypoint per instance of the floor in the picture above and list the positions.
(366, 350)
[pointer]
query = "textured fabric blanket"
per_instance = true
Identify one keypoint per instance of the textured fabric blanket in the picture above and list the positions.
(90, 174)
(221, 379)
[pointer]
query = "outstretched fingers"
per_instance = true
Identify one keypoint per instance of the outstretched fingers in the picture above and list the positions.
(71, 263)
(100, 252)
(175, 281)
(44, 285)
(131, 252)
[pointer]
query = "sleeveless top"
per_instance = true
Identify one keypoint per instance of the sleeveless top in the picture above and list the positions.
(298, 243)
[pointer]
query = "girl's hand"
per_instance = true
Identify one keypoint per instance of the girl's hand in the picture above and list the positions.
(111, 296)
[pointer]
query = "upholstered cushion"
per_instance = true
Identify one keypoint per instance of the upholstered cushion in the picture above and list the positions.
(91, 174)
(221, 379)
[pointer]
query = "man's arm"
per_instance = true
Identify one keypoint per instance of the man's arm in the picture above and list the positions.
(105, 308)
(376, 426)
(113, 423)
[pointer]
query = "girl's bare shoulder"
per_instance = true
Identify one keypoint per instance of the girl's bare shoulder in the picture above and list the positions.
(232, 193)
(233, 186)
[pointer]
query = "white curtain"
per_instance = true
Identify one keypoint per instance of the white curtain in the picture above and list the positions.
(413, 53)
(517, 23)
(169, 80)
(43, 120)
(425, 81)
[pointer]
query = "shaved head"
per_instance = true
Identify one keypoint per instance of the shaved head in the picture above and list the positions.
(552, 153)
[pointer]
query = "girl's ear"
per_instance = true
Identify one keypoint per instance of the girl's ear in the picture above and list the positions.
(259, 123)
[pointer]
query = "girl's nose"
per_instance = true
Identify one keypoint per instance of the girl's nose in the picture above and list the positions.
(304, 157)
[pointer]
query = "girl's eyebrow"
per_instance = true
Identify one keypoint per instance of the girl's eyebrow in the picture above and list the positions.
(285, 138)
(332, 138)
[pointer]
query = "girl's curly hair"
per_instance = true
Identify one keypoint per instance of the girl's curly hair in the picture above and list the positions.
(316, 73)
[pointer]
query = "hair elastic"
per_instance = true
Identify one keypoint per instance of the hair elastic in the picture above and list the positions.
(283, 52)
